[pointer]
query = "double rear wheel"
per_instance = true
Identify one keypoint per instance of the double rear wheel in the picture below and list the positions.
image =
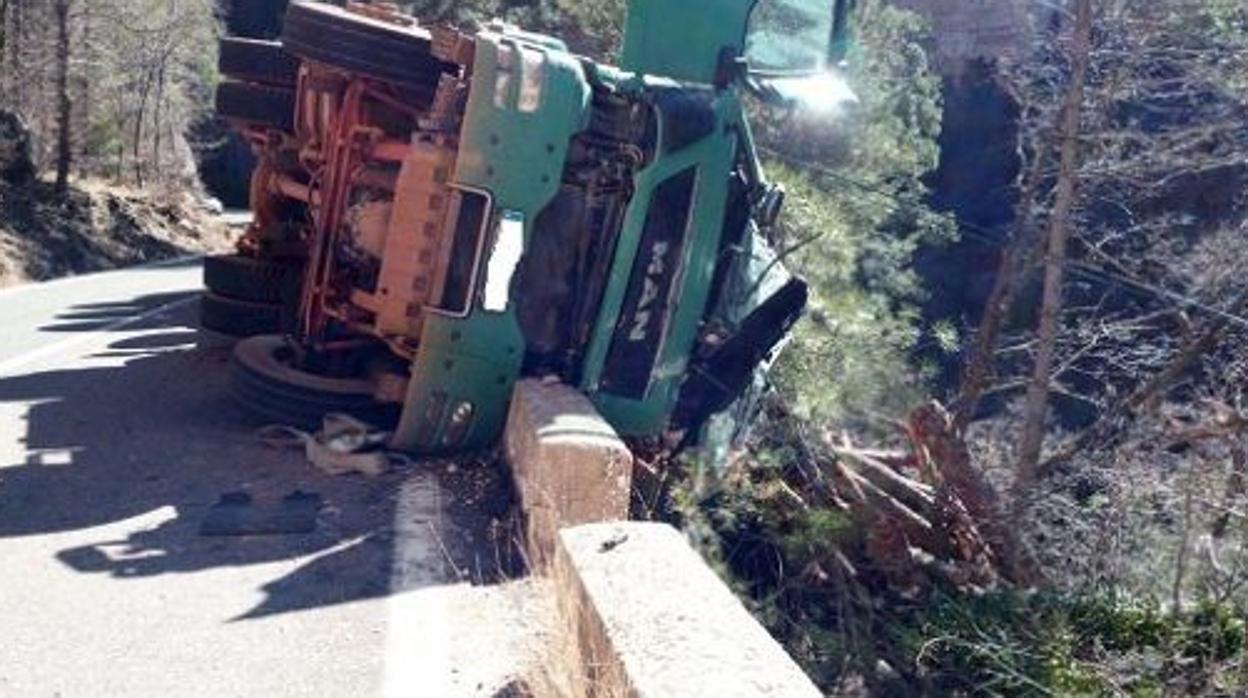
(259, 86)
(401, 56)
(247, 296)
(267, 380)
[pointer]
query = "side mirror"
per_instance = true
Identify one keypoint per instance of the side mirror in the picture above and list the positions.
(767, 211)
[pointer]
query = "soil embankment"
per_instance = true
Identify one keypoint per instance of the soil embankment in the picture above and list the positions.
(96, 227)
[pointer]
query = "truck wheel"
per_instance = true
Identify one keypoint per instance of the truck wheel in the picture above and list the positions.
(238, 318)
(247, 279)
(401, 56)
(255, 60)
(264, 381)
(259, 105)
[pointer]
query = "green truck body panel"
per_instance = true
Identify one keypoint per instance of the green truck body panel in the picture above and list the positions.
(525, 102)
(528, 100)
(709, 160)
(683, 39)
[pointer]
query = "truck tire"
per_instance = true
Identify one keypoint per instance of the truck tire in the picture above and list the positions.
(247, 279)
(258, 61)
(401, 56)
(237, 318)
(258, 105)
(263, 381)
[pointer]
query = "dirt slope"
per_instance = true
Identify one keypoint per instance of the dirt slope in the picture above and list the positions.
(97, 227)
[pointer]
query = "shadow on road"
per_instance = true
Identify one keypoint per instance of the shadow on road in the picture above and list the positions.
(145, 428)
(95, 316)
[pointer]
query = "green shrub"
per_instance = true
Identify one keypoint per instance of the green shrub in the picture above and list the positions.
(780, 545)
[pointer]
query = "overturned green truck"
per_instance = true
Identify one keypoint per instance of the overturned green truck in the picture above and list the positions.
(438, 214)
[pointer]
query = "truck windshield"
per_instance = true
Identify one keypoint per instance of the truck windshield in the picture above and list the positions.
(790, 36)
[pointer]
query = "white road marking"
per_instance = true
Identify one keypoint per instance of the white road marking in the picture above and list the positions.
(12, 365)
(417, 661)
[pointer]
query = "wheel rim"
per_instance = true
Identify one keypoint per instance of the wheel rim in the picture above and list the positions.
(270, 356)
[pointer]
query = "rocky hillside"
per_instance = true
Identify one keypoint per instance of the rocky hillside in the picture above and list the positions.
(966, 31)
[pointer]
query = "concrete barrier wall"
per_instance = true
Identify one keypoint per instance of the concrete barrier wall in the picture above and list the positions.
(640, 612)
(569, 465)
(648, 618)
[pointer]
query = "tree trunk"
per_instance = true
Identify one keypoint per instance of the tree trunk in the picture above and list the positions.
(979, 371)
(1017, 257)
(85, 104)
(157, 123)
(64, 108)
(1236, 487)
(138, 129)
(979, 365)
(932, 431)
(4, 44)
(1036, 407)
(16, 71)
(1180, 563)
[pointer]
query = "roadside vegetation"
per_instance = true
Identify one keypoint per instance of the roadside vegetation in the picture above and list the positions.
(1068, 518)
(99, 104)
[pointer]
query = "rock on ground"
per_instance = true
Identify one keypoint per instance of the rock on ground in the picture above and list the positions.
(16, 163)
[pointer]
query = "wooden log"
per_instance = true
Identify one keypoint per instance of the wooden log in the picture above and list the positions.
(873, 504)
(934, 433)
(914, 493)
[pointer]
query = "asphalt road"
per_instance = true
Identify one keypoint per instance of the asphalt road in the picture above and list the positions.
(117, 435)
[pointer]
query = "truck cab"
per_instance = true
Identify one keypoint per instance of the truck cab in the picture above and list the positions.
(508, 209)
